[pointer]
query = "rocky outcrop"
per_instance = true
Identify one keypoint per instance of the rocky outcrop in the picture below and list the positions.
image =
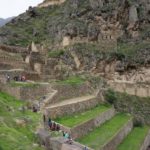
(93, 19)
(96, 36)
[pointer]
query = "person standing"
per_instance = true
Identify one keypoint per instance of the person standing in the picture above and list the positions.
(7, 78)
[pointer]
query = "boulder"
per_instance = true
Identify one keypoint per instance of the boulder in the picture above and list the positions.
(20, 122)
(133, 15)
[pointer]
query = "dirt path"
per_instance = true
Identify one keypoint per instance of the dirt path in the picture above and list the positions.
(73, 100)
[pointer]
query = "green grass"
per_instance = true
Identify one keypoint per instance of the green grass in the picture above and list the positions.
(134, 140)
(55, 54)
(101, 135)
(23, 84)
(13, 136)
(75, 80)
(71, 121)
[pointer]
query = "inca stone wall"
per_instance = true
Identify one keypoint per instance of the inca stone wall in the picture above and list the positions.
(26, 93)
(142, 90)
(67, 91)
(60, 111)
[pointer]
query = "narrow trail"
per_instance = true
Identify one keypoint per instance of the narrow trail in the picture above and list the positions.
(72, 101)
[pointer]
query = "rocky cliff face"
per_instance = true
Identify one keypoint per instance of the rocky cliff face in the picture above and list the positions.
(100, 36)
(90, 19)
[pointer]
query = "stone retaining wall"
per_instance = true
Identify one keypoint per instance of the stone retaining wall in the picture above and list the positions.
(72, 108)
(26, 93)
(17, 72)
(11, 90)
(83, 128)
(118, 137)
(146, 142)
(142, 90)
(70, 91)
(59, 143)
(35, 92)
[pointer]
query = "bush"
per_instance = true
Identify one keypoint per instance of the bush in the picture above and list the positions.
(56, 54)
(138, 121)
(110, 96)
(1, 148)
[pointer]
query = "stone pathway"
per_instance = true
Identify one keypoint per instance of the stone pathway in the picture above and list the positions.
(49, 96)
(72, 101)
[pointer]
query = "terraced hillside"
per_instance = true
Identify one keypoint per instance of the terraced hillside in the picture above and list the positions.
(90, 121)
(17, 127)
(134, 139)
(99, 137)
(98, 127)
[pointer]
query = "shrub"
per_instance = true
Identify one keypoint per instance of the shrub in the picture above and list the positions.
(55, 54)
(110, 96)
(138, 121)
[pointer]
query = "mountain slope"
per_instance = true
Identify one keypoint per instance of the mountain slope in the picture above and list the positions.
(17, 129)
(91, 19)
(4, 21)
(99, 36)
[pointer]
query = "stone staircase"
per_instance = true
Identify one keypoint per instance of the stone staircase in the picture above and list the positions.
(49, 96)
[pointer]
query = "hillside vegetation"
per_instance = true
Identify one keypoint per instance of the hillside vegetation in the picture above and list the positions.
(19, 136)
(137, 106)
(80, 18)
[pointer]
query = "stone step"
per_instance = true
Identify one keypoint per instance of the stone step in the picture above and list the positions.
(109, 135)
(59, 143)
(48, 97)
(80, 124)
(68, 107)
(138, 139)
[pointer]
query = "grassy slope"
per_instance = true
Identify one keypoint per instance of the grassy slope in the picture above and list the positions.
(101, 135)
(23, 84)
(134, 139)
(73, 80)
(79, 118)
(13, 136)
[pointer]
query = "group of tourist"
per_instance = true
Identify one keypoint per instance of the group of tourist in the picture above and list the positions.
(21, 78)
(53, 126)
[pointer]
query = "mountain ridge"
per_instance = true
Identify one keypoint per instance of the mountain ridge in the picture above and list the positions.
(4, 21)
